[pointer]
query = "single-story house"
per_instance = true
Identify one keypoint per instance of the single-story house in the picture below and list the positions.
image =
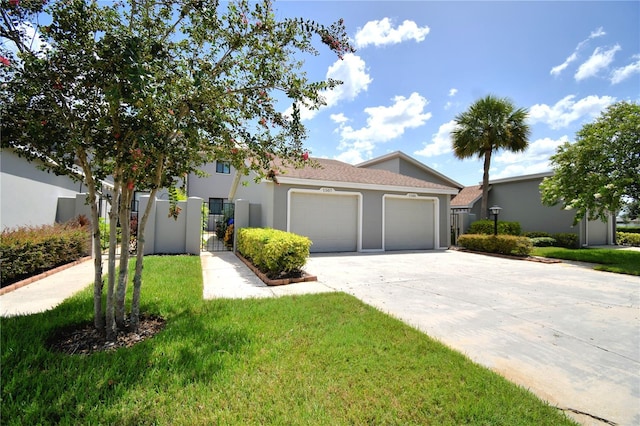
(345, 208)
(520, 201)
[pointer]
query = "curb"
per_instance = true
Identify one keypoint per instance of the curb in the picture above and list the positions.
(283, 281)
(506, 256)
(38, 277)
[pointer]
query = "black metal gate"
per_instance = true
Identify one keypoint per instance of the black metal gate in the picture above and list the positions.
(455, 227)
(217, 229)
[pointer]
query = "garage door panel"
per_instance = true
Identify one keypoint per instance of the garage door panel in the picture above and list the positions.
(330, 221)
(409, 224)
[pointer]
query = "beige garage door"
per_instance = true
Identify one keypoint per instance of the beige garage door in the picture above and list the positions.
(409, 224)
(329, 220)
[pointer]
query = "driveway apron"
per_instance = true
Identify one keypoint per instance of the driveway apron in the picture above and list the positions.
(569, 334)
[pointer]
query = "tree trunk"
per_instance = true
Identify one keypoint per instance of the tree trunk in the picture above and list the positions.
(123, 275)
(484, 206)
(98, 284)
(110, 325)
(137, 277)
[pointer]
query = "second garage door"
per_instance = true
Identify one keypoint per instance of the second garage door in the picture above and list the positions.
(330, 220)
(409, 223)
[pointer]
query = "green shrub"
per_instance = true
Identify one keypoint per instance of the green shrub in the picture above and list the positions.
(537, 234)
(485, 226)
(628, 239)
(566, 240)
(27, 251)
(629, 230)
(272, 251)
(543, 241)
(503, 244)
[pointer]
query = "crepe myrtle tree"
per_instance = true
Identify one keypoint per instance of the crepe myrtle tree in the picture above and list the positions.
(144, 92)
(599, 173)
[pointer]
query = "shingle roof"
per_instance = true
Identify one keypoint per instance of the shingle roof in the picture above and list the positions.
(467, 196)
(337, 171)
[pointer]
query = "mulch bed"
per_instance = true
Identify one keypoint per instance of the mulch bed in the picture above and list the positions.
(85, 339)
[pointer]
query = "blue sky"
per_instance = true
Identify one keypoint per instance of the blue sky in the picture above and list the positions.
(420, 63)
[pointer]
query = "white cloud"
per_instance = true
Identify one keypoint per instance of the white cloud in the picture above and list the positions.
(380, 33)
(567, 110)
(599, 32)
(453, 91)
(520, 170)
(600, 59)
(352, 72)
(559, 68)
(440, 142)
(384, 123)
(538, 151)
(388, 122)
(338, 118)
(620, 74)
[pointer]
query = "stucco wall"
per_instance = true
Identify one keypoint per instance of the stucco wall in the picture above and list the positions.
(29, 196)
(520, 202)
(215, 185)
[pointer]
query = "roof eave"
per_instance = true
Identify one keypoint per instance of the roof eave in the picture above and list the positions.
(365, 186)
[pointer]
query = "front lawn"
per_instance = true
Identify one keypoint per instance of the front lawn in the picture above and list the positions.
(316, 359)
(611, 260)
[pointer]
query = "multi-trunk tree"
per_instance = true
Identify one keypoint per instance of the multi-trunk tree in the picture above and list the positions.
(143, 92)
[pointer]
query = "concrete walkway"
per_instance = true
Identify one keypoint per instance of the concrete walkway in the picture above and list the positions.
(569, 334)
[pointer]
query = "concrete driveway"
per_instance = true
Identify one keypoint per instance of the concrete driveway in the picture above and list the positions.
(569, 334)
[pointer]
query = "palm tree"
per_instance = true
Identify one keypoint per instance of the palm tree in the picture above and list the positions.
(490, 124)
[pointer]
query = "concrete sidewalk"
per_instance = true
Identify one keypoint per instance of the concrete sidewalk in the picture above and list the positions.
(48, 292)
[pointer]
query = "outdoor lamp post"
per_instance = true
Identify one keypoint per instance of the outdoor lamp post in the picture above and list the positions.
(495, 211)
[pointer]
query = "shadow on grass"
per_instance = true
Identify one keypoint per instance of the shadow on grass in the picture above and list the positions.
(39, 386)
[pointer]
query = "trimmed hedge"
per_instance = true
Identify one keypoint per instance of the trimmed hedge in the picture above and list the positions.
(485, 226)
(543, 241)
(272, 251)
(567, 240)
(628, 229)
(27, 251)
(502, 244)
(628, 239)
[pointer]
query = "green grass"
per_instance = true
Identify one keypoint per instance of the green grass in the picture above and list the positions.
(317, 359)
(610, 260)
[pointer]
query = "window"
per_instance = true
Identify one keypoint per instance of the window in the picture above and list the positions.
(216, 205)
(223, 167)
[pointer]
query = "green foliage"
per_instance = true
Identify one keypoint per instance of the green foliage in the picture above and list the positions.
(629, 230)
(272, 251)
(596, 173)
(490, 124)
(28, 251)
(537, 234)
(543, 241)
(502, 244)
(486, 226)
(567, 240)
(628, 238)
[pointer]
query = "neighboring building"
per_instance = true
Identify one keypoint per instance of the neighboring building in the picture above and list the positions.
(30, 196)
(213, 188)
(520, 200)
(344, 208)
